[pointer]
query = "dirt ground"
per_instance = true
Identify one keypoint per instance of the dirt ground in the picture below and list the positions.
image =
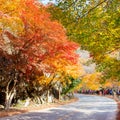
(118, 113)
(14, 110)
(118, 103)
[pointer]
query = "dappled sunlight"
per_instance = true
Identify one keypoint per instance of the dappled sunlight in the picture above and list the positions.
(86, 108)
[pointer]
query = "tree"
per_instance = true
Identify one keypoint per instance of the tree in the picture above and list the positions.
(91, 81)
(61, 71)
(28, 37)
(93, 24)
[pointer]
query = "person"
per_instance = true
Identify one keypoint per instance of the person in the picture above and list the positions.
(114, 94)
(110, 92)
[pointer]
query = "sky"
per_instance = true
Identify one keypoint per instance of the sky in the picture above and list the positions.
(46, 1)
(85, 55)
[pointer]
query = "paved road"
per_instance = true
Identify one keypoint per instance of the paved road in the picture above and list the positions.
(87, 108)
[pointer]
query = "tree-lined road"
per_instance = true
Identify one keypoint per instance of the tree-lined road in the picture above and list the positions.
(86, 108)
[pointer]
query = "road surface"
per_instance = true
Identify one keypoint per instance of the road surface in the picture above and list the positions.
(86, 108)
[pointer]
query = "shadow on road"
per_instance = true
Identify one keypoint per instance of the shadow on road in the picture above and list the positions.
(65, 113)
(86, 108)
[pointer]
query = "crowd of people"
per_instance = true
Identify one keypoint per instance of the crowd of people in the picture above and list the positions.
(111, 91)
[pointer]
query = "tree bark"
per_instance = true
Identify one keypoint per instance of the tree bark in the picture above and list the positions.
(8, 100)
(59, 94)
(9, 94)
(48, 96)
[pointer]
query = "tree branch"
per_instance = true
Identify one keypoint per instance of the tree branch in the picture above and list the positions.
(93, 8)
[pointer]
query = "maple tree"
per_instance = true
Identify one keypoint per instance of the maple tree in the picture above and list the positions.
(91, 81)
(28, 38)
(61, 72)
(95, 25)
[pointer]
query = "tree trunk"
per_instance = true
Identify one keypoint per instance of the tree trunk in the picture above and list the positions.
(8, 100)
(42, 101)
(59, 94)
(7, 103)
(48, 96)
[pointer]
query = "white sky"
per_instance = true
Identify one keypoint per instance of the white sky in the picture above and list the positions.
(46, 1)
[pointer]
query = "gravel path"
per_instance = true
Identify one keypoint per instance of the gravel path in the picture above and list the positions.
(86, 108)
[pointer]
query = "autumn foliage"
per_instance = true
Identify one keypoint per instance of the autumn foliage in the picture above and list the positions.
(96, 26)
(33, 46)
